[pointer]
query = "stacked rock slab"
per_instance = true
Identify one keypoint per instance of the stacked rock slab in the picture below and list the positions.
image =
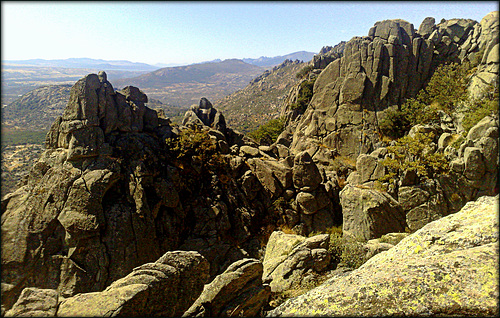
(447, 268)
(166, 287)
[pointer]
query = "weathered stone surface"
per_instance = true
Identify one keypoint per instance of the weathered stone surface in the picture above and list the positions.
(427, 27)
(289, 257)
(369, 168)
(265, 175)
(369, 214)
(410, 197)
(474, 164)
(312, 202)
(449, 267)
(34, 302)
(479, 130)
(205, 114)
(164, 288)
(487, 71)
(306, 176)
(238, 292)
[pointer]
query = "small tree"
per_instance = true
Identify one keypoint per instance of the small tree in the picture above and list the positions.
(269, 132)
(413, 154)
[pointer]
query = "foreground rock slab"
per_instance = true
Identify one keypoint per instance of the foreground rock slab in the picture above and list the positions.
(449, 267)
(238, 292)
(164, 288)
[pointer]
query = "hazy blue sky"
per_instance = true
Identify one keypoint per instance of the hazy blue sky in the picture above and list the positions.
(189, 32)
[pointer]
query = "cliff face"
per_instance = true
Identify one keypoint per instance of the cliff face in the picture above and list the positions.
(383, 69)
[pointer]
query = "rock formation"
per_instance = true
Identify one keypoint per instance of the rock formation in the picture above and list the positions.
(370, 74)
(447, 268)
(106, 196)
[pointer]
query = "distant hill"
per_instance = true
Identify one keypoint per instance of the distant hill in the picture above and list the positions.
(105, 65)
(37, 109)
(21, 79)
(260, 100)
(183, 86)
(273, 61)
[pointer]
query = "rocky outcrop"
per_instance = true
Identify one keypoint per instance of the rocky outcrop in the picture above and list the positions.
(375, 72)
(238, 292)
(166, 287)
(291, 260)
(487, 41)
(449, 267)
(205, 113)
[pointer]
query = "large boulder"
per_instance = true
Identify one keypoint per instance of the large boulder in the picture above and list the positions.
(292, 259)
(166, 287)
(369, 213)
(306, 176)
(447, 268)
(35, 302)
(238, 292)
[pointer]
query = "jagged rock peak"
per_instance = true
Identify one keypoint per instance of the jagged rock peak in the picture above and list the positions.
(205, 114)
(328, 54)
(94, 110)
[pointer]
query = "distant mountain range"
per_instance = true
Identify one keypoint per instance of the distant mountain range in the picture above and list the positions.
(265, 61)
(124, 65)
(85, 63)
(183, 86)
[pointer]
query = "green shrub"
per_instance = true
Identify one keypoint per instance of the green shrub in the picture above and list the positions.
(413, 153)
(394, 124)
(194, 146)
(193, 141)
(304, 71)
(269, 132)
(447, 87)
(353, 253)
(479, 109)
(305, 95)
(344, 249)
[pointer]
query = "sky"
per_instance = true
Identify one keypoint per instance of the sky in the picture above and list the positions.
(191, 32)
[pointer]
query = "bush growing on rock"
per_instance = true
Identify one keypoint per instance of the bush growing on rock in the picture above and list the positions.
(413, 154)
(481, 108)
(195, 145)
(446, 90)
(447, 87)
(269, 132)
(343, 249)
(304, 71)
(305, 95)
